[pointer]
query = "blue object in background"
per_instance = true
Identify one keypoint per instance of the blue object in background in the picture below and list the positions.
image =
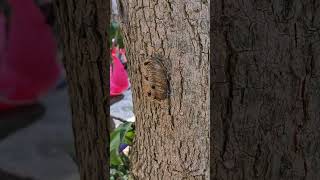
(122, 147)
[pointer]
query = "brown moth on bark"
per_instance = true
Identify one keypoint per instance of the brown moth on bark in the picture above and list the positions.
(155, 82)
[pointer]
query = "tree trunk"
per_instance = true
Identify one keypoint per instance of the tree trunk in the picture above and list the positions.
(83, 25)
(265, 89)
(168, 51)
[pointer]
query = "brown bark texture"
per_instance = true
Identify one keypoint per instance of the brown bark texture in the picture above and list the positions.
(172, 132)
(265, 89)
(83, 28)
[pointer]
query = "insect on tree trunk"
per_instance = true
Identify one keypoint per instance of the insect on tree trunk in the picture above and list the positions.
(168, 53)
(265, 89)
(83, 27)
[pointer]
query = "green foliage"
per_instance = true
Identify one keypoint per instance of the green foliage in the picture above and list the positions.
(114, 32)
(119, 162)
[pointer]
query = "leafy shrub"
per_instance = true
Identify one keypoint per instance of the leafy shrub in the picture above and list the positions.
(121, 137)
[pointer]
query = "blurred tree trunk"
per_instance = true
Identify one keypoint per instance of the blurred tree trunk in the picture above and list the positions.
(265, 89)
(83, 28)
(172, 138)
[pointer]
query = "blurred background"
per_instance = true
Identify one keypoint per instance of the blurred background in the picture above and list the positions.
(36, 138)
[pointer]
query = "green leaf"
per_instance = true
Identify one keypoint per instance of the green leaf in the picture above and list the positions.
(119, 163)
(129, 137)
(115, 158)
(115, 140)
(122, 134)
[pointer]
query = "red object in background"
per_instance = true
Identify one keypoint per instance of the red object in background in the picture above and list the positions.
(123, 55)
(28, 65)
(119, 81)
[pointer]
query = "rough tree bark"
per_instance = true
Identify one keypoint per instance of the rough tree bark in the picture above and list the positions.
(172, 138)
(83, 28)
(265, 89)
